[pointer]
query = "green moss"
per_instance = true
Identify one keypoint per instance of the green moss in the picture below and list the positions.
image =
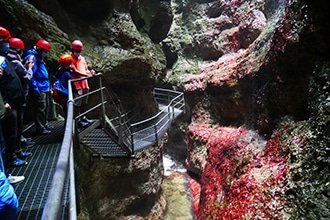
(180, 69)
(57, 49)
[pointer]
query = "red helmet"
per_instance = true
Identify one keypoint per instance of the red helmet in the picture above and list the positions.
(4, 33)
(16, 43)
(65, 60)
(77, 45)
(43, 44)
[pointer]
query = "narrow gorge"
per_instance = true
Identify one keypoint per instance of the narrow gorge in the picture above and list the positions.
(256, 80)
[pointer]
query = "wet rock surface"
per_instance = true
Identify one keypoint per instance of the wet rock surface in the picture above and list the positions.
(246, 67)
(113, 188)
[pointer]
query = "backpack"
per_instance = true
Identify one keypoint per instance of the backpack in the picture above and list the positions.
(60, 93)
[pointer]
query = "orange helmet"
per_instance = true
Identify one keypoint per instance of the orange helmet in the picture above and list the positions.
(16, 43)
(43, 44)
(65, 60)
(77, 45)
(4, 33)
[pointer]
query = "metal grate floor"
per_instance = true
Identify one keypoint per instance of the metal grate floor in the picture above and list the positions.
(33, 191)
(102, 144)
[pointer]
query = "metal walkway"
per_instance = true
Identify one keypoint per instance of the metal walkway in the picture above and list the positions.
(33, 192)
(99, 141)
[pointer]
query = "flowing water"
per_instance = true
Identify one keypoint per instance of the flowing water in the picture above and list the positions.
(180, 199)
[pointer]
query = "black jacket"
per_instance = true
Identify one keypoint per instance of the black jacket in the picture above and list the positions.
(11, 87)
(24, 74)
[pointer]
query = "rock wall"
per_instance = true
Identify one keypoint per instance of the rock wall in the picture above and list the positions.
(121, 188)
(246, 67)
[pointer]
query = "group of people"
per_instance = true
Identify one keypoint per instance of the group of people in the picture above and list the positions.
(23, 75)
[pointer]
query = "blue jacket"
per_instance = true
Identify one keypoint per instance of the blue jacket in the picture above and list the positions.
(61, 83)
(8, 199)
(40, 80)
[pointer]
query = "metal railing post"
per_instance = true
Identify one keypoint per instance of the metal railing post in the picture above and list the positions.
(73, 199)
(132, 140)
(102, 100)
(120, 132)
(156, 134)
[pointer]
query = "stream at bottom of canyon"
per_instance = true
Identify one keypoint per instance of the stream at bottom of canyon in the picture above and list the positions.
(181, 190)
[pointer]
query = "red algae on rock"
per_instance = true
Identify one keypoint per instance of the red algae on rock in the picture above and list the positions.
(195, 188)
(243, 176)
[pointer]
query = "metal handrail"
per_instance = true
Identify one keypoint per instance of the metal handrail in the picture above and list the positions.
(65, 165)
(173, 100)
(52, 208)
(170, 102)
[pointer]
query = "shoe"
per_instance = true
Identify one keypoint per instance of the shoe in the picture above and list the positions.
(27, 142)
(49, 127)
(44, 131)
(23, 139)
(86, 120)
(82, 124)
(23, 154)
(15, 179)
(30, 144)
(17, 163)
(29, 139)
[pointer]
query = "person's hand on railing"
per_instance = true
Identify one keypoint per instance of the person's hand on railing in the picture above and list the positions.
(74, 70)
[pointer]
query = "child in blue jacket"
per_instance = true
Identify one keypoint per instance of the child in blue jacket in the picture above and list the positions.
(60, 86)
